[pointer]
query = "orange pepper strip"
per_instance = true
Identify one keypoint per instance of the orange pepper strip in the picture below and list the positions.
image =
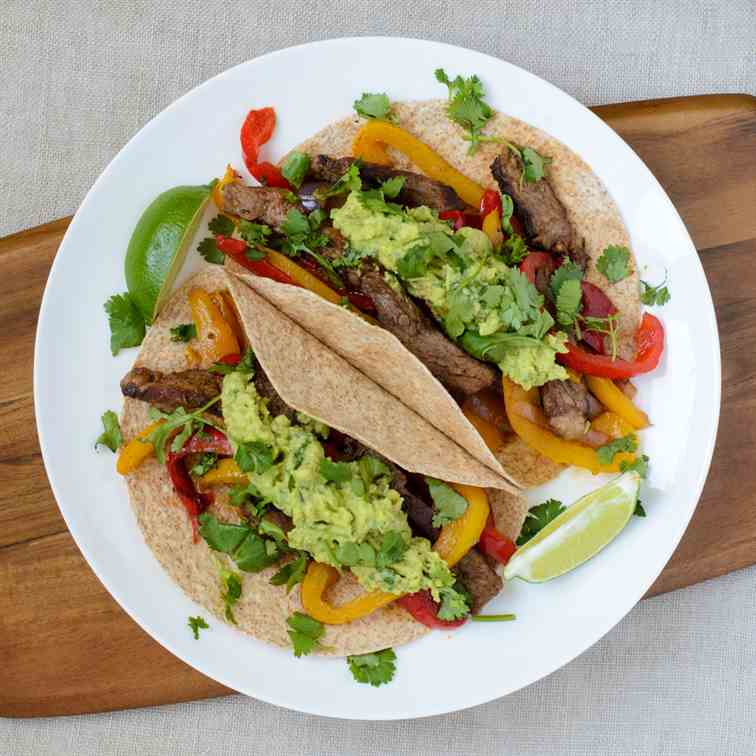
(459, 536)
(547, 443)
(488, 431)
(319, 578)
(428, 161)
(136, 451)
(229, 177)
(215, 337)
(225, 304)
(613, 398)
(225, 473)
(365, 147)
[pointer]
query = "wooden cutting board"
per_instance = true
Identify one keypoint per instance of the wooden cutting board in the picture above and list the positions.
(66, 647)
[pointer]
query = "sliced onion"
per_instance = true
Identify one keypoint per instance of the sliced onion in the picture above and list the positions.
(532, 413)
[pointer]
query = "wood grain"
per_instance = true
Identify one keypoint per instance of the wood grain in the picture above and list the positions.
(65, 645)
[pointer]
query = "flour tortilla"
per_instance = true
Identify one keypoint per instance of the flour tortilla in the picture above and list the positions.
(263, 608)
(589, 207)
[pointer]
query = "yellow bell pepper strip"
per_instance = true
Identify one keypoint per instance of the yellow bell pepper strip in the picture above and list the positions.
(459, 536)
(615, 400)
(300, 276)
(492, 228)
(225, 473)
(229, 177)
(215, 337)
(547, 443)
(428, 161)
(318, 579)
(136, 451)
(365, 147)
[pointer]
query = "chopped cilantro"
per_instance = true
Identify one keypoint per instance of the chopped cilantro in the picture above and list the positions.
(454, 605)
(349, 182)
(249, 550)
(533, 164)
(466, 106)
(254, 233)
(245, 365)
(607, 452)
(337, 472)
(515, 250)
(111, 436)
(305, 633)
(254, 456)
(221, 225)
(447, 503)
(374, 105)
(184, 332)
(567, 271)
(374, 669)
(188, 422)
(640, 466)
(392, 549)
(371, 468)
(210, 252)
(568, 301)
(493, 617)
(414, 262)
(231, 589)
(196, 624)
(295, 168)
(613, 263)
(655, 295)
(127, 326)
(351, 553)
(391, 187)
(538, 518)
(204, 463)
(292, 572)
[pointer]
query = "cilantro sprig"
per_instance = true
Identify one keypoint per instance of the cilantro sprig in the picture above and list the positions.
(292, 572)
(111, 435)
(196, 624)
(183, 332)
(377, 668)
(188, 422)
(447, 503)
(374, 105)
(467, 107)
(538, 518)
(614, 263)
(607, 452)
(454, 604)
(533, 164)
(249, 550)
(305, 633)
(127, 325)
(655, 295)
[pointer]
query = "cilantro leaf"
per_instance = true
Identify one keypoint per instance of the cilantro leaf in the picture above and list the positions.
(204, 463)
(377, 668)
(374, 105)
(250, 552)
(295, 168)
(533, 164)
(607, 452)
(231, 589)
(304, 633)
(392, 549)
(538, 518)
(256, 553)
(448, 504)
(655, 295)
(567, 271)
(515, 249)
(296, 224)
(391, 187)
(639, 511)
(208, 249)
(127, 326)
(254, 233)
(111, 436)
(254, 456)
(640, 466)
(371, 468)
(568, 301)
(613, 263)
(349, 182)
(466, 105)
(351, 553)
(221, 225)
(196, 624)
(454, 605)
(245, 365)
(292, 572)
(336, 472)
(414, 262)
(179, 418)
(184, 332)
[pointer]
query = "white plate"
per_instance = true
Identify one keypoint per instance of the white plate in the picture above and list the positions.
(76, 379)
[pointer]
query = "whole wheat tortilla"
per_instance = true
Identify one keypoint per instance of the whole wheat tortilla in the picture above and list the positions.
(263, 608)
(589, 207)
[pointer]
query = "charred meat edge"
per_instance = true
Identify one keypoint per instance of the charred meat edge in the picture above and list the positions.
(566, 405)
(417, 189)
(263, 204)
(481, 580)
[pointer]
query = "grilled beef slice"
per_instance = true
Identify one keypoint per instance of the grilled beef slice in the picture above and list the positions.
(276, 405)
(543, 215)
(417, 189)
(480, 579)
(565, 404)
(190, 389)
(264, 204)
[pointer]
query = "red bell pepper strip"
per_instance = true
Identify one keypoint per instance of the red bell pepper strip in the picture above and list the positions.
(457, 217)
(424, 609)
(649, 339)
(211, 440)
(494, 544)
(194, 502)
(534, 262)
(230, 359)
(490, 202)
(236, 249)
(256, 130)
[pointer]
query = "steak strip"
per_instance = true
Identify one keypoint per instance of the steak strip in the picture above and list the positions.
(190, 389)
(543, 215)
(265, 204)
(481, 580)
(566, 405)
(417, 189)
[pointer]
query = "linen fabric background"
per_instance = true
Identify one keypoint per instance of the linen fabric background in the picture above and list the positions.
(78, 79)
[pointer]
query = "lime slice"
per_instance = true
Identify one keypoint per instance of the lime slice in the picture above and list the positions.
(159, 244)
(578, 533)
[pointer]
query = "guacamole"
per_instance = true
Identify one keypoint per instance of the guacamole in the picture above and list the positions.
(344, 514)
(492, 310)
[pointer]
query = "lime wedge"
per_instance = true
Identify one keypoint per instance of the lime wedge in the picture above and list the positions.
(159, 244)
(580, 532)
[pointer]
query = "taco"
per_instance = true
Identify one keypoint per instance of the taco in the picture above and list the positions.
(503, 325)
(242, 492)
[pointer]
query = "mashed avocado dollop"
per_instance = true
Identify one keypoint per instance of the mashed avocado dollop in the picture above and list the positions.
(492, 310)
(345, 515)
